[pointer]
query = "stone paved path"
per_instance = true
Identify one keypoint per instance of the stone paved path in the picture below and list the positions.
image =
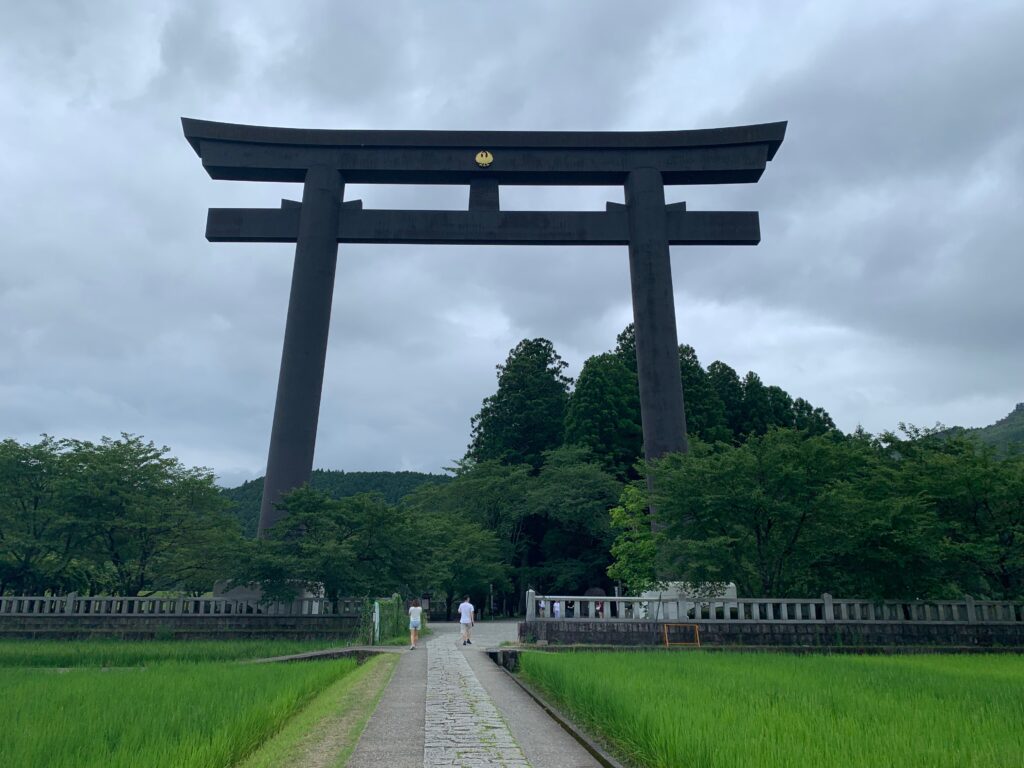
(448, 705)
(462, 726)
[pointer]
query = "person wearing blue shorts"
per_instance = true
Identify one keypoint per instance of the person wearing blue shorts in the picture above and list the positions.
(415, 617)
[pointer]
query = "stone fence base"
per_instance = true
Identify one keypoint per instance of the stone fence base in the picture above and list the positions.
(179, 627)
(749, 633)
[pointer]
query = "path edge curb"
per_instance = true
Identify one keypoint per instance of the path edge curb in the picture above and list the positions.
(596, 751)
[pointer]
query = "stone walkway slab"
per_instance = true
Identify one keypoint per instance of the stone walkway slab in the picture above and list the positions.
(449, 706)
(462, 725)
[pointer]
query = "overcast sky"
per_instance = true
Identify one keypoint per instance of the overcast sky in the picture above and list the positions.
(887, 287)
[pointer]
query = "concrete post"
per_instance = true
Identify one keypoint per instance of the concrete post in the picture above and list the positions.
(531, 605)
(972, 615)
(654, 316)
(293, 437)
(829, 612)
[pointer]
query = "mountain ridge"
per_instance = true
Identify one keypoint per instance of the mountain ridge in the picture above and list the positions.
(247, 497)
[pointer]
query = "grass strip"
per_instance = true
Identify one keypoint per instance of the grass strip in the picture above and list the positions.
(120, 653)
(674, 710)
(324, 734)
(166, 715)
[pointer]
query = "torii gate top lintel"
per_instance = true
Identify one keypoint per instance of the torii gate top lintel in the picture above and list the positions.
(707, 156)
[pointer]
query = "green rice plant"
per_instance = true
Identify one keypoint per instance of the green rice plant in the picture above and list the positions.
(673, 710)
(167, 715)
(120, 653)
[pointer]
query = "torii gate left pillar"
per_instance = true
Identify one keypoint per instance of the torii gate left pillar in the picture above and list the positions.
(300, 383)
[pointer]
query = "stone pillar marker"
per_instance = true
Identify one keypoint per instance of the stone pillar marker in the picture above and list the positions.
(293, 435)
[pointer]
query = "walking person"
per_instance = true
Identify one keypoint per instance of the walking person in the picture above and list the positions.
(466, 611)
(415, 618)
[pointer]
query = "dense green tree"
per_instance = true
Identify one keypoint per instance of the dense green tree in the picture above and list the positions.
(604, 414)
(495, 498)
(744, 514)
(454, 554)
(526, 416)
(978, 502)
(756, 407)
(625, 347)
(636, 548)
(551, 527)
(780, 407)
(138, 511)
(787, 514)
(793, 514)
(35, 552)
(815, 421)
(726, 383)
(569, 506)
(355, 546)
(116, 516)
(705, 411)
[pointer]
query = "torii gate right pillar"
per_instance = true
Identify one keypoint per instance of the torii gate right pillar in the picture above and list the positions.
(654, 317)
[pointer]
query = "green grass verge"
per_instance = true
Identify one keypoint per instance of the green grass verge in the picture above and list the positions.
(673, 710)
(326, 731)
(166, 715)
(120, 653)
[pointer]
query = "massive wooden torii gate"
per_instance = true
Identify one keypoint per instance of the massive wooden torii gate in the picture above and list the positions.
(324, 161)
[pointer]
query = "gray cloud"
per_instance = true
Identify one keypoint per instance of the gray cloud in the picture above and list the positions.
(886, 286)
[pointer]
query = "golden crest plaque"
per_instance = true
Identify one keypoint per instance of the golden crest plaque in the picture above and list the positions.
(484, 158)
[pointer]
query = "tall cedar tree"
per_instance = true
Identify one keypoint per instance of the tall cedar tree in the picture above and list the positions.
(705, 411)
(604, 414)
(726, 382)
(757, 406)
(526, 416)
(625, 347)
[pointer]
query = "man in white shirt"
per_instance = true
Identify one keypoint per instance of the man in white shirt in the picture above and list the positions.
(466, 611)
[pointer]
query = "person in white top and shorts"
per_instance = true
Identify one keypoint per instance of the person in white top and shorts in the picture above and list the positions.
(415, 617)
(466, 611)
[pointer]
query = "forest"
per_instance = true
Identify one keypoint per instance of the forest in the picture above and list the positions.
(552, 494)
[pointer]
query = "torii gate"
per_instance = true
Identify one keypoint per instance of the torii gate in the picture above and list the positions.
(324, 161)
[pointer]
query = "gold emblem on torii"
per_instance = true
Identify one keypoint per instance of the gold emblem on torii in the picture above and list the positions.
(484, 158)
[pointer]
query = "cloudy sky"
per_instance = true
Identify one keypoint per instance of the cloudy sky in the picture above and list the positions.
(888, 285)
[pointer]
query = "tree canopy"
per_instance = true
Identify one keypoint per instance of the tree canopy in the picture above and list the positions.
(116, 516)
(552, 495)
(526, 416)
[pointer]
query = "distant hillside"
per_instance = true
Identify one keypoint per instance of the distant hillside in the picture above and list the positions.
(1006, 435)
(391, 485)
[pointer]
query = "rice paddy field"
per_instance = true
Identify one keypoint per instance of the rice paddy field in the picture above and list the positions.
(117, 653)
(718, 710)
(152, 704)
